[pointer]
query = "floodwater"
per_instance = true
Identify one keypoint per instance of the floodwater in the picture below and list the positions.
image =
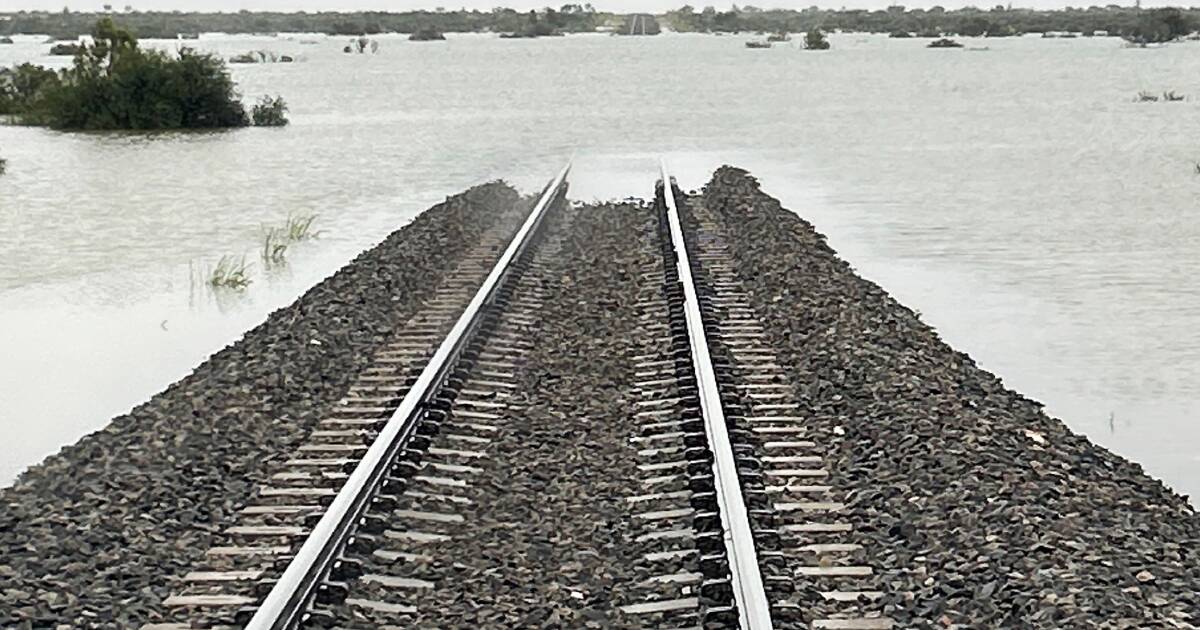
(1017, 196)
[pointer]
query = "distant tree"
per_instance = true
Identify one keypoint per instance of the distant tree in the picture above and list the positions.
(683, 19)
(974, 26)
(1159, 25)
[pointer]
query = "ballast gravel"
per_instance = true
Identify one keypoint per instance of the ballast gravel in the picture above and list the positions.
(545, 540)
(89, 536)
(976, 509)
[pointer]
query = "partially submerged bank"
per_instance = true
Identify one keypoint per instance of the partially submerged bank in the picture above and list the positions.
(976, 508)
(88, 536)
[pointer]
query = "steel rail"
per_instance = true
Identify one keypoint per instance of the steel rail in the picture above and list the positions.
(749, 595)
(287, 602)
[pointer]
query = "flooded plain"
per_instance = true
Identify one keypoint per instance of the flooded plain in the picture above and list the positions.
(1017, 197)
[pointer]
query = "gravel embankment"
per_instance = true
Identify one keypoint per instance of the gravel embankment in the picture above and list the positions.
(976, 508)
(89, 537)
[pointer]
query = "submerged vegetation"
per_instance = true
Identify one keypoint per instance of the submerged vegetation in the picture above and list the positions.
(274, 247)
(299, 228)
(261, 56)
(229, 273)
(270, 112)
(427, 34)
(944, 43)
(65, 50)
(115, 84)
(277, 240)
(815, 40)
(234, 272)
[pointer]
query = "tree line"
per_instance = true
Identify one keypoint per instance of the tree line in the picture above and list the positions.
(568, 18)
(1136, 24)
(1130, 22)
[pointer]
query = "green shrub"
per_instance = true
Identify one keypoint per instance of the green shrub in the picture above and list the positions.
(114, 84)
(21, 87)
(270, 112)
(815, 40)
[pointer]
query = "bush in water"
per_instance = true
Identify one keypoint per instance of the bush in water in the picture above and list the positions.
(115, 84)
(270, 112)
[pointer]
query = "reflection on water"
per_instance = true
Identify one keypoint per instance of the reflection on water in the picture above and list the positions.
(1018, 198)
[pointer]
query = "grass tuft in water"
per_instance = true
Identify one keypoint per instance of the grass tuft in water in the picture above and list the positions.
(230, 273)
(274, 247)
(299, 228)
(277, 240)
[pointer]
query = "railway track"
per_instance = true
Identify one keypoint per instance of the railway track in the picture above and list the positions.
(720, 513)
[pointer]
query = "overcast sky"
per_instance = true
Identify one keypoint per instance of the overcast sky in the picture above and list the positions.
(611, 5)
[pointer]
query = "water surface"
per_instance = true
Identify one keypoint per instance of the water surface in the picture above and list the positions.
(1016, 196)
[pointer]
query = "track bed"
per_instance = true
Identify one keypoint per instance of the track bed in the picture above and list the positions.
(679, 413)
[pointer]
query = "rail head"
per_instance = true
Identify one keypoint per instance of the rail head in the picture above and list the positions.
(287, 601)
(749, 595)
